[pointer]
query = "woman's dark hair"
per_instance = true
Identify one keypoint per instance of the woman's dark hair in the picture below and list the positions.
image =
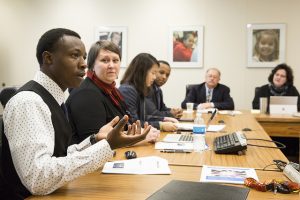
(289, 74)
(137, 70)
(48, 41)
(95, 49)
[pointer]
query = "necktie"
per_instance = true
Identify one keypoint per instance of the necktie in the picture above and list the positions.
(64, 108)
(208, 97)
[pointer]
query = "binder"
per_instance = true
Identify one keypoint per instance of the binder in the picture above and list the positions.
(188, 190)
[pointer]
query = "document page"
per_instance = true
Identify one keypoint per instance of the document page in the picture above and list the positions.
(219, 174)
(143, 165)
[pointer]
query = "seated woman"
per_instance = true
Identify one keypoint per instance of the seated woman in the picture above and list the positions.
(97, 101)
(281, 83)
(135, 87)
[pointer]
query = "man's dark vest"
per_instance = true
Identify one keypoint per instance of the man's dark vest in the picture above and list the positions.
(63, 133)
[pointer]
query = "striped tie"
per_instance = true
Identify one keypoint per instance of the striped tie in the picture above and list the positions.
(208, 97)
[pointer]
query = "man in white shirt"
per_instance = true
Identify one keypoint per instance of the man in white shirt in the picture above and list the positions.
(37, 158)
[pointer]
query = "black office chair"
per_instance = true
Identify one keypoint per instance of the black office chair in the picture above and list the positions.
(256, 90)
(6, 94)
(189, 87)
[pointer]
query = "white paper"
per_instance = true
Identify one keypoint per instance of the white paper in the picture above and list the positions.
(255, 111)
(143, 165)
(209, 110)
(173, 145)
(218, 174)
(215, 128)
(189, 127)
(230, 112)
(296, 114)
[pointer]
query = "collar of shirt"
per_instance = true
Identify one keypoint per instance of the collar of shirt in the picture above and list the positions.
(51, 86)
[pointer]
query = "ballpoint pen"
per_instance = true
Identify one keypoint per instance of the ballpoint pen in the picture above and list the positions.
(175, 151)
(211, 117)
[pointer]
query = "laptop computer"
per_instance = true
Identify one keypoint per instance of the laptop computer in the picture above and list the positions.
(179, 138)
(283, 104)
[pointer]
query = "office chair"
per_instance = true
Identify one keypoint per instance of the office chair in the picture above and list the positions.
(188, 88)
(6, 94)
(256, 90)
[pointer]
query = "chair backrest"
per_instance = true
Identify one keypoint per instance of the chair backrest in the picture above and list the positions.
(256, 90)
(6, 94)
(188, 88)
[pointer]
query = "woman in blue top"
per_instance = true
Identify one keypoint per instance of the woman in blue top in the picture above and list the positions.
(135, 87)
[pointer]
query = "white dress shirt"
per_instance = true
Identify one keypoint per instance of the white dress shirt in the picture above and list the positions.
(30, 134)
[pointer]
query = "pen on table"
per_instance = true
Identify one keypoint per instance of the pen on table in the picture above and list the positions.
(212, 116)
(175, 151)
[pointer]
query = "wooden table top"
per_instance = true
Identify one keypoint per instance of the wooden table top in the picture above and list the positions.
(184, 166)
(128, 187)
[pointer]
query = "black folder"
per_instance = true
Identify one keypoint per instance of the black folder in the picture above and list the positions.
(189, 190)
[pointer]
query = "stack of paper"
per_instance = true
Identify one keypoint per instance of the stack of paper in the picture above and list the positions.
(143, 165)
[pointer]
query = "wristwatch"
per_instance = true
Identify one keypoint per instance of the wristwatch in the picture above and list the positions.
(93, 139)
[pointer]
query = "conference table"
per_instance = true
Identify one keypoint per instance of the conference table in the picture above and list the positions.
(184, 166)
(280, 125)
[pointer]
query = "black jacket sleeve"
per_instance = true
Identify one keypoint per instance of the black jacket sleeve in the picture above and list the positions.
(225, 101)
(87, 114)
(136, 105)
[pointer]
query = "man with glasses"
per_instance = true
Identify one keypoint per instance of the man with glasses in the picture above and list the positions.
(210, 94)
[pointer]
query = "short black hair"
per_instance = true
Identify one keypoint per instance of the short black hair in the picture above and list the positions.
(49, 39)
(164, 62)
(289, 74)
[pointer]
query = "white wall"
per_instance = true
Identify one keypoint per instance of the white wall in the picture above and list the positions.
(23, 22)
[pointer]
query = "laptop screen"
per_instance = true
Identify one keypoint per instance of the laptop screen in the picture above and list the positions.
(283, 104)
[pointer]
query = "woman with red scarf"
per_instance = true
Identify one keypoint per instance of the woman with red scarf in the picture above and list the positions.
(97, 101)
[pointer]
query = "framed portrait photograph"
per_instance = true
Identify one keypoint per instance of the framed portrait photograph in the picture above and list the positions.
(266, 45)
(186, 46)
(117, 35)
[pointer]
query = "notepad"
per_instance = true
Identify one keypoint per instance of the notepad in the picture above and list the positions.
(188, 190)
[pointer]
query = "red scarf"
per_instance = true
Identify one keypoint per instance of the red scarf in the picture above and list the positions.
(109, 89)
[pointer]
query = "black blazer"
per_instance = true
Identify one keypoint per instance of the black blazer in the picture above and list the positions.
(221, 97)
(156, 103)
(89, 109)
(264, 91)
